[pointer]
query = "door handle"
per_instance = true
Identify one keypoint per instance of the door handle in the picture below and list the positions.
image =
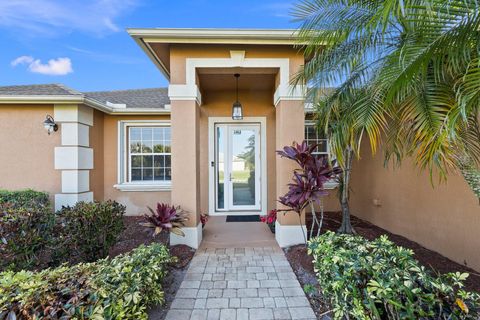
(230, 176)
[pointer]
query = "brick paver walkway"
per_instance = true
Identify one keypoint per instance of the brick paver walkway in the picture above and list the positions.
(240, 283)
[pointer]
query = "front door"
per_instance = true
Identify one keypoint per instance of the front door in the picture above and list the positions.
(237, 167)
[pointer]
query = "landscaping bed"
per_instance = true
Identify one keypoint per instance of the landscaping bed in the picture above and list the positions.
(85, 261)
(303, 266)
(135, 235)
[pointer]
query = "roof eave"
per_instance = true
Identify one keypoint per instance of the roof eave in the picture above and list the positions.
(145, 36)
(51, 99)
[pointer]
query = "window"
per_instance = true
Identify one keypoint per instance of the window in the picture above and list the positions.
(313, 137)
(144, 158)
(149, 154)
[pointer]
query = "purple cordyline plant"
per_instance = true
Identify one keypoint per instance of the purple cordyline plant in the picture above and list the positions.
(307, 187)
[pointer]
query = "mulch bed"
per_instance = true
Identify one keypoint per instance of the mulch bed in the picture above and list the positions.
(135, 235)
(303, 267)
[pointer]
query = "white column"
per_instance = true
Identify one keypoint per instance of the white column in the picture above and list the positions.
(75, 157)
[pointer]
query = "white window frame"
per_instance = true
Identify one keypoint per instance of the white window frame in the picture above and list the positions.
(332, 184)
(327, 153)
(123, 175)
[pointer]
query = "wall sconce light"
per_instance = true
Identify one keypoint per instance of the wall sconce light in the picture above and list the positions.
(237, 112)
(49, 124)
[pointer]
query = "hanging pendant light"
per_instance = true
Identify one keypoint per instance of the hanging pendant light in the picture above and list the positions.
(237, 112)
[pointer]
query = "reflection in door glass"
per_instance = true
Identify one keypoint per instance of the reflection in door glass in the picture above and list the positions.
(243, 167)
(220, 168)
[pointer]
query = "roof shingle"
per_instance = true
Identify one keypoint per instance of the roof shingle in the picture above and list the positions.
(52, 89)
(135, 98)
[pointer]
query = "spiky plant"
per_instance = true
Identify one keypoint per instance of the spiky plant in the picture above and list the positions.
(166, 217)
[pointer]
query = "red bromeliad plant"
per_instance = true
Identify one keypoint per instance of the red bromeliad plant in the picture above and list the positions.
(166, 217)
(307, 187)
(270, 218)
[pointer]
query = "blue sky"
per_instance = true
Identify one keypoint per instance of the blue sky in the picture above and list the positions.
(83, 44)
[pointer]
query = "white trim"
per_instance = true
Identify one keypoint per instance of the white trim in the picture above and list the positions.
(211, 157)
(73, 158)
(75, 134)
(184, 92)
(192, 238)
(75, 181)
(144, 187)
(287, 236)
(79, 99)
(211, 35)
(122, 157)
(73, 113)
(233, 62)
(70, 199)
(288, 92)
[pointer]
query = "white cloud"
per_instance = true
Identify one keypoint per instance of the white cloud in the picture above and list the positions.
(50, 17)
(54, 67)
(22, 60)
(277, 9)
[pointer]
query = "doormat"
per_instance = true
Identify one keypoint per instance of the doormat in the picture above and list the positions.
(254, 218)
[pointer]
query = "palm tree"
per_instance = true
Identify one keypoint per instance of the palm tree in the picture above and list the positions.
(403, 73)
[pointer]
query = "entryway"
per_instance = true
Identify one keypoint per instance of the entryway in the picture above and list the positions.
(237, 166)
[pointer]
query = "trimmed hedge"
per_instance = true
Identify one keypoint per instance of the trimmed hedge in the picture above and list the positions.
(24, 198)
(86, 231)
(24, 233)
(378, 280)
(119, 288)
(33, 237)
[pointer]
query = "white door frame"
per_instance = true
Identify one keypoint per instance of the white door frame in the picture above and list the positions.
(263, 163)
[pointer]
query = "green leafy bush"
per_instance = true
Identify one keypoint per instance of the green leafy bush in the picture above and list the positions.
(85, 232)
(24, 233)
(119, 288)
(378, 280)
(24, 198)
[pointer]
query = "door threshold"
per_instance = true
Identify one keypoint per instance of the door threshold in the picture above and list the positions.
(236, 213)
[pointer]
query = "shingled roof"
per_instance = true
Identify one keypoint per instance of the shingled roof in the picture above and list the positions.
(135, 98)
(153, 98)
(52, 89)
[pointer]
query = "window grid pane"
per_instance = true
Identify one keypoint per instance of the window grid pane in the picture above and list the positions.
(149, 152)
(312, 137)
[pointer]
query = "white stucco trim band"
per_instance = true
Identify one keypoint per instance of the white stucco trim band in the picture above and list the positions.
(73, 158)
(70, 199)
(185, 92)
(192, 238)
(236, 61)
(75, 181)
(73, 113)
(75, 134)
(289, 235)
(289, 92)
(143, 187)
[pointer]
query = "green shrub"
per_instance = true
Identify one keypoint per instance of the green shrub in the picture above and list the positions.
(119, 288)
(85, 232)
(378, 280)
(24, 233)
(24, 198)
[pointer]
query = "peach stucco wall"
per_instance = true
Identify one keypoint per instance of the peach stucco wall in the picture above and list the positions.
(97, 142)
(27, 151)
(136, 202)
(444, 218)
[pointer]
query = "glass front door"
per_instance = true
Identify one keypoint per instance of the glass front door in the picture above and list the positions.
(237, 167)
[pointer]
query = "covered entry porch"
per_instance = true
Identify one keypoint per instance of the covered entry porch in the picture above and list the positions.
(220, 165)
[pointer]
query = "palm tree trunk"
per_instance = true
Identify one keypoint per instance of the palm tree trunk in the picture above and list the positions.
(471, 174)
(346, 226)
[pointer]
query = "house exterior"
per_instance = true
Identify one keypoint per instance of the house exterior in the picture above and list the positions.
(180, 145)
